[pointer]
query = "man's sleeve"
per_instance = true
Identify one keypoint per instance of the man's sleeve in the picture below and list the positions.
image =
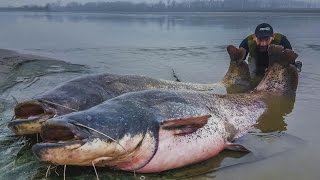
(285, 43)
(244, 44)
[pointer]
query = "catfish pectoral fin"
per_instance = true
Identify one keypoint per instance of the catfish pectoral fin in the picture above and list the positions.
(185, 125)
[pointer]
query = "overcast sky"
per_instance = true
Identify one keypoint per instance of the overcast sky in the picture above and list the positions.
(4, 3)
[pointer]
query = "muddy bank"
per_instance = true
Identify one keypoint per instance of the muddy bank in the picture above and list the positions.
(31, 71)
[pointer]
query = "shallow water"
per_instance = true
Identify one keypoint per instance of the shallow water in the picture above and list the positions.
(193, 45)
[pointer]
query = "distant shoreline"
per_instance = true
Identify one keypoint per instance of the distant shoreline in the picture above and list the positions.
(291, 10)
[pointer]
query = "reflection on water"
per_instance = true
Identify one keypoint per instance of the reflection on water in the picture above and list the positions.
(204, 167)
(170, 20)
(315, 47)
(274, 118)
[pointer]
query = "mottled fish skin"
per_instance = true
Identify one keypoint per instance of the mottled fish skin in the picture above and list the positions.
(85, 92)
(230, 117)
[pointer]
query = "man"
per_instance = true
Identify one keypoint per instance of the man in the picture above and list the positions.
(257, 44)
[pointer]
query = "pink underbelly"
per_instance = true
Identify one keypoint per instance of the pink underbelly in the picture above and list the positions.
(178, 151)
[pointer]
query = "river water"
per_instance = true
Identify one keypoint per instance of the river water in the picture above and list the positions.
(191, 44)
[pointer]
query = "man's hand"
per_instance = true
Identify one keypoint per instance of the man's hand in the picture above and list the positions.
(298, 65)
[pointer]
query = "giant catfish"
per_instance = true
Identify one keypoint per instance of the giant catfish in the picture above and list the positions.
(86, 92)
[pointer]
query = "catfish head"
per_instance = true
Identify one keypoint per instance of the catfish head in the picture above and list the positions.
(117, 134)
(29, 116)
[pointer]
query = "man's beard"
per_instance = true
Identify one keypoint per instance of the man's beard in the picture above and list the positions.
(262, 48)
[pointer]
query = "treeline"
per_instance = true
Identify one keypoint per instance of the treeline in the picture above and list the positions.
(169, 5)
(174, 6)
(27, 8)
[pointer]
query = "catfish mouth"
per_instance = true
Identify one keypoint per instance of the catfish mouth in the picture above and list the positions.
(71, 144)
(59, 137)
(29, 116)
(63, 133)
(28, 109)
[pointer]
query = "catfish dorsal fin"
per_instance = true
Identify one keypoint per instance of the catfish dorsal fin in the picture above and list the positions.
(185, 125)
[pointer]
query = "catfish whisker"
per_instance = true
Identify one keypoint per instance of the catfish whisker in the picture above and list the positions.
(64, 172)
(175, 76)
(13, 117)
(15, 99)
(49, 102)
(55, 170)
(95, 170)
(54, 167)
(82, 125)
(48, 171)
